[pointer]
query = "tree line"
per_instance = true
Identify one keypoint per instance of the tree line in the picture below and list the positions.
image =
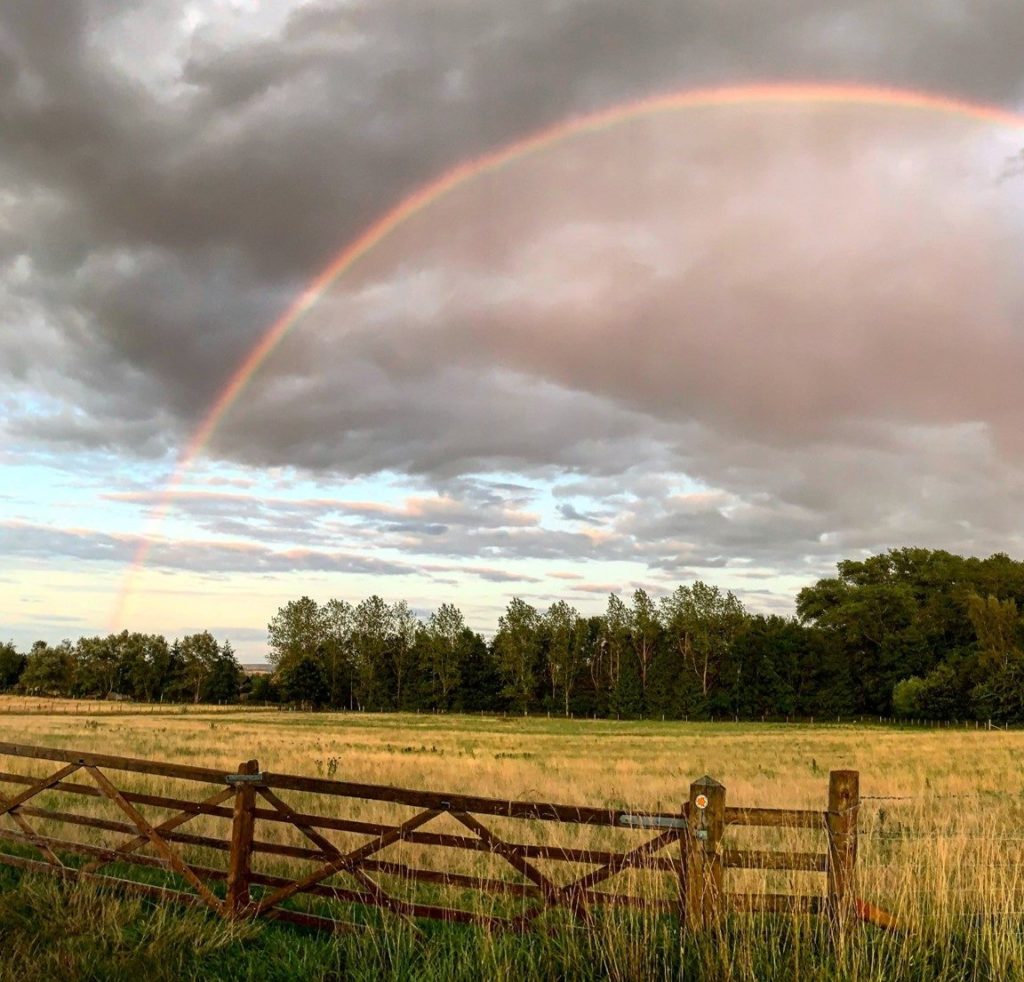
(141, 667)
(911, 632)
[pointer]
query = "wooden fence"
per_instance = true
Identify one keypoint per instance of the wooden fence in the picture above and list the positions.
(686, 847)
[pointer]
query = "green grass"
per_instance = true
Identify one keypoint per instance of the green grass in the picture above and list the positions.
(52, 931)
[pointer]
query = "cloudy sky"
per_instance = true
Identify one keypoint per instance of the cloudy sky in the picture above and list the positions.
(730, 343)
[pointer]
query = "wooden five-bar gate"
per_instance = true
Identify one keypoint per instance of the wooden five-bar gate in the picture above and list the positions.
(685, 847)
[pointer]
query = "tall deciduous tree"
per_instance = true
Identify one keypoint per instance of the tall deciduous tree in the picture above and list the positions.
(644, 633)
(405, 624)
(336, 654)
(199, 654)
(564, 650)
(372, 627)
(997, 624)
(517, 649)
(296, 632)
(443, 651)
(50, 670)
(615, 638)
(702, 624)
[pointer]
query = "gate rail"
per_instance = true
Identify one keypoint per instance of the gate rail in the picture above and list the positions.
(249, 799)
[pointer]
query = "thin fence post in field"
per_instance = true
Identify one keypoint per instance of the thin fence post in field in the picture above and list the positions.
(684, 868)
(843, 805)
(242, 828)
(705, 828)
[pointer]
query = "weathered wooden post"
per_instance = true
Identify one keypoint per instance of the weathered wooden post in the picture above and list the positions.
(242, 828)
(705, 828)
(843, 805)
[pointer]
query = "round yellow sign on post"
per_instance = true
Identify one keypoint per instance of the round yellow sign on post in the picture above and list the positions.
(701, 801)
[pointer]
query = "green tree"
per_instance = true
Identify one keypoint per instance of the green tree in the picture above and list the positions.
(997, 625)
(614, 639)
(443, 649)
(297, 631)
(372, 630)
(402, 650)
(303, 681)
(1000, 695)
(50, 670)
(12, 664)
(264, 689)
(223, 682)
(628, 697)
(564, 650)
(517, 650)
(97, 666)
(199, 654)
(480, 685)
(644, 633)
(335, 651)
(701, 624)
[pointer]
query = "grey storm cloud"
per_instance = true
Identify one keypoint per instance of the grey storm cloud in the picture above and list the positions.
(23, 540)
(814, 314)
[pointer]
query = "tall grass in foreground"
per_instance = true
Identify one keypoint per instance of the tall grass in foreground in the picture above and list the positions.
(942, 847)
(48, 931)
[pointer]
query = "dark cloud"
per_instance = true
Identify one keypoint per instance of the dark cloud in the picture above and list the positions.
(813, 314)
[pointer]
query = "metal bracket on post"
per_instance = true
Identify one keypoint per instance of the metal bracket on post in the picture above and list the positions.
(243, 778)
(652, 822)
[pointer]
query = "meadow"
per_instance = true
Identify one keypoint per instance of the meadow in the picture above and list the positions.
(941, 830)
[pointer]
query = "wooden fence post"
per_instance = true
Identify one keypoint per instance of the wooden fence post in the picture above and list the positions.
(843, 805)
(242, 827)
(705, 828)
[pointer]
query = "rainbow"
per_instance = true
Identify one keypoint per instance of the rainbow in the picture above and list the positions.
(769, 94)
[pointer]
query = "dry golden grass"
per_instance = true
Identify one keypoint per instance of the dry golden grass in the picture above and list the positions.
(942, 822)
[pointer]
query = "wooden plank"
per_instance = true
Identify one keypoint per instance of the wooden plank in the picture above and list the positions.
(240, 857)
(552, 894)
(343, 824)
(626, 861)
(326, 846)
(69, 818)
(471, 844)
(37, 840)
(37, 787)
(175, 861)
(758, 859)
(445, 878)
(185, 772)
(791, 818)
(411, 909)
(543, 811)
(137, 798)
(843, 805)
(777, 903)
(321, 890)
(348, 859)
(163, 828)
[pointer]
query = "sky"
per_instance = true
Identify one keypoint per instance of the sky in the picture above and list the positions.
(732, 343)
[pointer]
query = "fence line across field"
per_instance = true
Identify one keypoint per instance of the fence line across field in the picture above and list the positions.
(686, 845)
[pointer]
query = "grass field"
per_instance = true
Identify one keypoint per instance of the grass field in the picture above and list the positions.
(942, 827)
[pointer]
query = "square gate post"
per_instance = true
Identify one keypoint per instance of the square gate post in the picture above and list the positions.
(843, 805)
(242, 828)
(704, 831)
